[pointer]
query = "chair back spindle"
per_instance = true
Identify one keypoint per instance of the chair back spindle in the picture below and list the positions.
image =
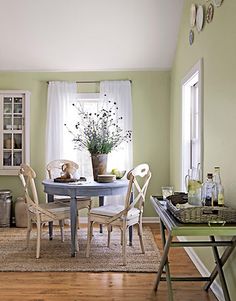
(142, 174)
(142, 171)
(27, 176)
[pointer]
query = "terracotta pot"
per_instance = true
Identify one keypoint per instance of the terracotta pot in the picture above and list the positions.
(99, 164)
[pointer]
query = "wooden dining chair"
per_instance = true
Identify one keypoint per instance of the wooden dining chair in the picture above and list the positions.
(125, 215)
(40, 213)
(54, 169)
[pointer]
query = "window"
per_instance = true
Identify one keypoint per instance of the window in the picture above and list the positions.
(90, 102)
(59, 142)
(192, 128)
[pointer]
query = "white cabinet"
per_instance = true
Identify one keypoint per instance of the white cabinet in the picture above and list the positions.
(14, 130)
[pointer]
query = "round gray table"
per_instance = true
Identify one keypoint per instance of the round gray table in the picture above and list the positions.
(90, 189)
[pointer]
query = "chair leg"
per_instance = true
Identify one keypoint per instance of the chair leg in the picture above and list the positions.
(121, 236)
(91, 231)
(29, 228)
(140, 234)
(124, 243)
(61, 223)
(38, 223)
(109, 235)
(78, 227)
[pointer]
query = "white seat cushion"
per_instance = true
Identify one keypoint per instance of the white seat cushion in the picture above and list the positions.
(67, 198)
(111, 210)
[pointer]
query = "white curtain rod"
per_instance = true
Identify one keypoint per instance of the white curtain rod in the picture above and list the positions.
(92, 81)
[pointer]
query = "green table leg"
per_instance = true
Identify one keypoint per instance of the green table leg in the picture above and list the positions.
(162, 264)
(220, 270)
(228, 251)
(167, 268)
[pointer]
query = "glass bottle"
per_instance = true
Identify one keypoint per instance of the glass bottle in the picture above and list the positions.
(219, 187)
(209, 191)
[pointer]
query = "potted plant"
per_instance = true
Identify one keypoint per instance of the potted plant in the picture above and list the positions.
(99, 133)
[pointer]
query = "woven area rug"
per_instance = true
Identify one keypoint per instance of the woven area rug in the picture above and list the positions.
(55, 255)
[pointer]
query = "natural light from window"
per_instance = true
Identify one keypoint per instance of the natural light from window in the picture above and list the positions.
(191, 122)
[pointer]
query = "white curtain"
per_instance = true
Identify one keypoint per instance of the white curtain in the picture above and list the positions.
(82, 156)
(59, 144)
(122, 157)
(61, 95)
(120, 92)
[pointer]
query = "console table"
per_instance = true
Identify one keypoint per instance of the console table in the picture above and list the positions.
(174, 228)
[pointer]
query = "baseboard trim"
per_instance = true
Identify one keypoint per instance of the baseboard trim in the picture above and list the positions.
(146, 220)
(215, 287)
(151, 219)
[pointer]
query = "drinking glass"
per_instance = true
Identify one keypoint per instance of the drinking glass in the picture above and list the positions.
(167, 191)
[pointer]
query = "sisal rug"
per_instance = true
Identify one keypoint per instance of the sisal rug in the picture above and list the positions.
(55, 255)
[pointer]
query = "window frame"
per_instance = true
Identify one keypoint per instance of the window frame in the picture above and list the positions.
(14, 170)
(195, 75)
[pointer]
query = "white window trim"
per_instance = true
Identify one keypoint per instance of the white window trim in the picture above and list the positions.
(88, 96)
(187, 82)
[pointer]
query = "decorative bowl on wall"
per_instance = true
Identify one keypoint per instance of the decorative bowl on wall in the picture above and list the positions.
(193, 12)
(200, 18)
(210, 13)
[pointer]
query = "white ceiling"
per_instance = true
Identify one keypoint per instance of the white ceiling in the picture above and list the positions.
(79, 35)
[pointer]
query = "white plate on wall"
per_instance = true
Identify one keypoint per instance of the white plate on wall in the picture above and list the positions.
(217, 3)
(193, 12)
(199, 18)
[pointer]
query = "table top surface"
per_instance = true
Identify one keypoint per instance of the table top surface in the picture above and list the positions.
(88, 188)
(89, 184)
(181, 229)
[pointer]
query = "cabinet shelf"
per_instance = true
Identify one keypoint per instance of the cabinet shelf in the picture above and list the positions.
(14, 149)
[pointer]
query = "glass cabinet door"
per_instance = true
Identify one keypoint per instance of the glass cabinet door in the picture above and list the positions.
(7, 158)
(7, 113)
(17, 113)
(7, 149)
(12, 131)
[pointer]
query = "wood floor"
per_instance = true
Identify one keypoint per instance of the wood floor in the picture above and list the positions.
(74, 286)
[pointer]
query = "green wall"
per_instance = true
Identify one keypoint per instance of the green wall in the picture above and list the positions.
(216, 44)
(150, 91)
